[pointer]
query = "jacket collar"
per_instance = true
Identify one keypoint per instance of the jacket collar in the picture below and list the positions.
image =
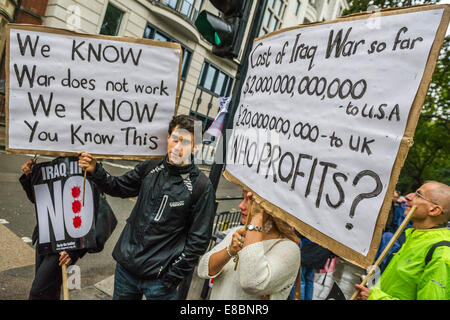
(177, 170)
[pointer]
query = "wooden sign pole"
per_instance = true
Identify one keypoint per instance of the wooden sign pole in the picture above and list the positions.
(84, 184)
(249, 214)
(64, 282)
(386, 250)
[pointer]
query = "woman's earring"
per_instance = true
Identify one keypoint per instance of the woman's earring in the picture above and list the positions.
(268, 225)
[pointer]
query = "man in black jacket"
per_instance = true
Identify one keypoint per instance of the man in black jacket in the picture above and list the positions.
(169, 227)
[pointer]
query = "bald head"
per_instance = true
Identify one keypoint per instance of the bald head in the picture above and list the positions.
(440, 194)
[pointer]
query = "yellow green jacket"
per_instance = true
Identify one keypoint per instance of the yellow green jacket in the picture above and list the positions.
(408, 278)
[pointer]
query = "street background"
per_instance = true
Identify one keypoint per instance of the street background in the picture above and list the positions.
(18, 219)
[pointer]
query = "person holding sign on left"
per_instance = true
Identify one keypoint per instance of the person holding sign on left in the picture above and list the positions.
(48, 277)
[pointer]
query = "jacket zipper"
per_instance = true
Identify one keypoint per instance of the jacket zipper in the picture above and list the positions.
(159, 272)
(161, 207)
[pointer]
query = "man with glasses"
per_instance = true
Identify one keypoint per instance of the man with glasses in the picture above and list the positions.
(421, 269)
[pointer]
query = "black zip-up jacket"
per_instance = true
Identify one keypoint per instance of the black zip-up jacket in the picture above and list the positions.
(167, 230)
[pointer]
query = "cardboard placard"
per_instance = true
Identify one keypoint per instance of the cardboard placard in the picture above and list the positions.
(326, 118)
(64, 222)
(69, 92)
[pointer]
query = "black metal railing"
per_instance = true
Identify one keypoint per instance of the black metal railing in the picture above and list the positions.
(223, 221)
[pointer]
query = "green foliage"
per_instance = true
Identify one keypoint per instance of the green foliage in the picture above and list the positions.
(428, 158)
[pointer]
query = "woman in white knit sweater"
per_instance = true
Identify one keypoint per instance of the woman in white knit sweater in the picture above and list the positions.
(269, 259)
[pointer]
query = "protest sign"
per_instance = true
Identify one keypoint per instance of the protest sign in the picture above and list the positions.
(69, 92)
(326, 117)
(64, 223)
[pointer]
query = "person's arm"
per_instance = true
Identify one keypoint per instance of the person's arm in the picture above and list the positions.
(377, 294)
(203, 269)
(25, 178)
(435, 281)
(212, 262)
(125, 186)
(219, 259)
(257, 220)
(374, 293)
(197, 239)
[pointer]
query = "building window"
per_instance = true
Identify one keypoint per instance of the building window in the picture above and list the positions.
(111, 21)
(197, 10)
(186, 7)
(273, 24)
(273, 16)
(267, 19)
(206, 121)
(187, 55)
(153, 33)
(214, 80)
(297, 7)
(172, 3)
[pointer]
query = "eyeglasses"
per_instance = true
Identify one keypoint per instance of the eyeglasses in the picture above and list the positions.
(421, 196)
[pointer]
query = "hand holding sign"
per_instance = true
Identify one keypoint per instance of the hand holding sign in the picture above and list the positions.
(364, 292)
(87, 162)
(64, 258)
(26, 167)
(237, 242)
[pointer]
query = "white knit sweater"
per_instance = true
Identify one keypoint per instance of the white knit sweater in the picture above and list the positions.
(269, 267)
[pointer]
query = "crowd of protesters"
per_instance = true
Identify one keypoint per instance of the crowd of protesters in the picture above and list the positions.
(265, 258)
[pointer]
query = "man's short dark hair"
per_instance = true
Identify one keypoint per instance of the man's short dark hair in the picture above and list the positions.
(183, 121)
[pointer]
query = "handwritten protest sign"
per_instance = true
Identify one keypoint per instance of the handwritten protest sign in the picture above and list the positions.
(68, 92)
(326, 117)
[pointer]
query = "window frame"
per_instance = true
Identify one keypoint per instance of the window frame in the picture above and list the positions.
(184, 68)
(297, 8)
(226, 85)
(120, 21)
(274, 15)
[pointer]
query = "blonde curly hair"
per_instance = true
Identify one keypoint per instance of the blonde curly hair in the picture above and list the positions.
(282, 227)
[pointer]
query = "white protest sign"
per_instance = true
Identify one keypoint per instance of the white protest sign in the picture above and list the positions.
(70, 92)
(322, 115)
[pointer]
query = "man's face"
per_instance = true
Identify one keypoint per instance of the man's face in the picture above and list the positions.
(180, 145)
(423, 206)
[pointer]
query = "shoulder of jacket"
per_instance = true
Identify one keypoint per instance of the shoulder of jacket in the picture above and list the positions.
(442, 251)
(151, 166)
(201, 179)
